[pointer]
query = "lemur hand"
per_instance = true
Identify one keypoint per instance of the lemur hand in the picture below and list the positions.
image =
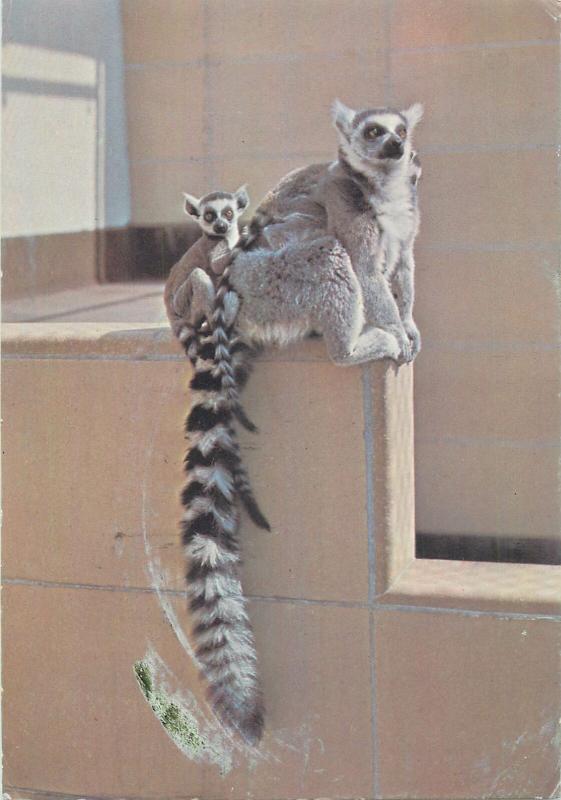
(405, 349)
(414, 336)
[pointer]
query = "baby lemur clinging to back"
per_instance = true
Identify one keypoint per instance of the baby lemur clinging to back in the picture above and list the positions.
(221, 362)
(201, 310)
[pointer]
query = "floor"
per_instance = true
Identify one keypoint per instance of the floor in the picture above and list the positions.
(111, 302)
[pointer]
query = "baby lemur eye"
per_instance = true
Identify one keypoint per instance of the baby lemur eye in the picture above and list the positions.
(229, 213)
(402, 132)
(209, 216)
(373, 131)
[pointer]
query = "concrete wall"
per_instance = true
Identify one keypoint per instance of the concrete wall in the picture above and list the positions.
(384, 676)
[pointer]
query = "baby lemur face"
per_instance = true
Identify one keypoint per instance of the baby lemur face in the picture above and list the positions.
(218, 213)
(378, 136)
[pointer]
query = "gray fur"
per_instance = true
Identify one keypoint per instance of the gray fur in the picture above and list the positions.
(336, 245)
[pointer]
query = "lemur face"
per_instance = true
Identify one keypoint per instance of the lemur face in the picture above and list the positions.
(377, 135)
(218, 212)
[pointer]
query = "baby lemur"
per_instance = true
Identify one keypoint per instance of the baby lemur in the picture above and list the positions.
(189, 293)
(330, 251)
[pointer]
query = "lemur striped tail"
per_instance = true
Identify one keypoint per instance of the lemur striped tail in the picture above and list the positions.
(223, 638)
(189, 337)
(222, 336)
(230, 368)
(208, 380)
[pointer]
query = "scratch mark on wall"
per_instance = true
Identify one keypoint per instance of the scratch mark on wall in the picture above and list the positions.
(225, 746)
(551, 7)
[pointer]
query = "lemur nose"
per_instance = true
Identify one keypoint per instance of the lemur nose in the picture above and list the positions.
(220, 227)
(394, 148)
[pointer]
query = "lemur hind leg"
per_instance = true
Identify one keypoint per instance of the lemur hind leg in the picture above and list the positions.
(342, 317)
(192, 303)
(195, 297)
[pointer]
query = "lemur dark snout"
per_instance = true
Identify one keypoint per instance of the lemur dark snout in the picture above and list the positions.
(393, 149)
(220, 227)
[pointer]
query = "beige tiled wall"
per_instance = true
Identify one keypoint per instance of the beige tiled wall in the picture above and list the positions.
(442, 687)
(487, 384)
(224, 93)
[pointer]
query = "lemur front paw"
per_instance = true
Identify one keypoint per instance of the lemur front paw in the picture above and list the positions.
(404, 344)
(414, 337)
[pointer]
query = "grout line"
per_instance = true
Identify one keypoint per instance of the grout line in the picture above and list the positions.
(433, 149)
(144, 66)
(466, 612)
(387, 28)
(87, 356)
(367, 409)
(444, 149)
(301, 601)
(51, 794)
(42, 584)
(208, 129)
(491, 247)
(450, 347)
(490, 346)
(373, 703)
(477, 441)
(376, 605)
(326, 55)
(476, 46)
(233, 155)
(142, 357)
(256, 59)
(80, 309)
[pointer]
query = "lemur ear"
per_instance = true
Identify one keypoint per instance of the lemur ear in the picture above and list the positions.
(242, 197)
(342, 117)
(413, 114)
(191, 205)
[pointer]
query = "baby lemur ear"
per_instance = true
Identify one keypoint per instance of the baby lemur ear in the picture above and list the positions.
(242, 197)
(191, 205)
(413, 114)
(342, 117)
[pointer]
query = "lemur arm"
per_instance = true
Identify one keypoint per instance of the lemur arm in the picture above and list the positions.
(403, 287)
(349, 221)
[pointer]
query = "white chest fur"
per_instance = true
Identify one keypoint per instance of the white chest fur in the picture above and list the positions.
(397, 221)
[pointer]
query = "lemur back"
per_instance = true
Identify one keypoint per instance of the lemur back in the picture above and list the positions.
(334, 254)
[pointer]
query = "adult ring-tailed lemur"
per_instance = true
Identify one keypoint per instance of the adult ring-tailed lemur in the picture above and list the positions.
(331, 252)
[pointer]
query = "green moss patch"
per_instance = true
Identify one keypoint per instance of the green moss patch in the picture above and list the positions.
(178, 723)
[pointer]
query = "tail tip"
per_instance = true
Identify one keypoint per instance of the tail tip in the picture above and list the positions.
(248, 723)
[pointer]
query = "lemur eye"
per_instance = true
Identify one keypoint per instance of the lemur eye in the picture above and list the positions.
(373, 131)
(209, 216)
(229, 213)
(402, 132)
